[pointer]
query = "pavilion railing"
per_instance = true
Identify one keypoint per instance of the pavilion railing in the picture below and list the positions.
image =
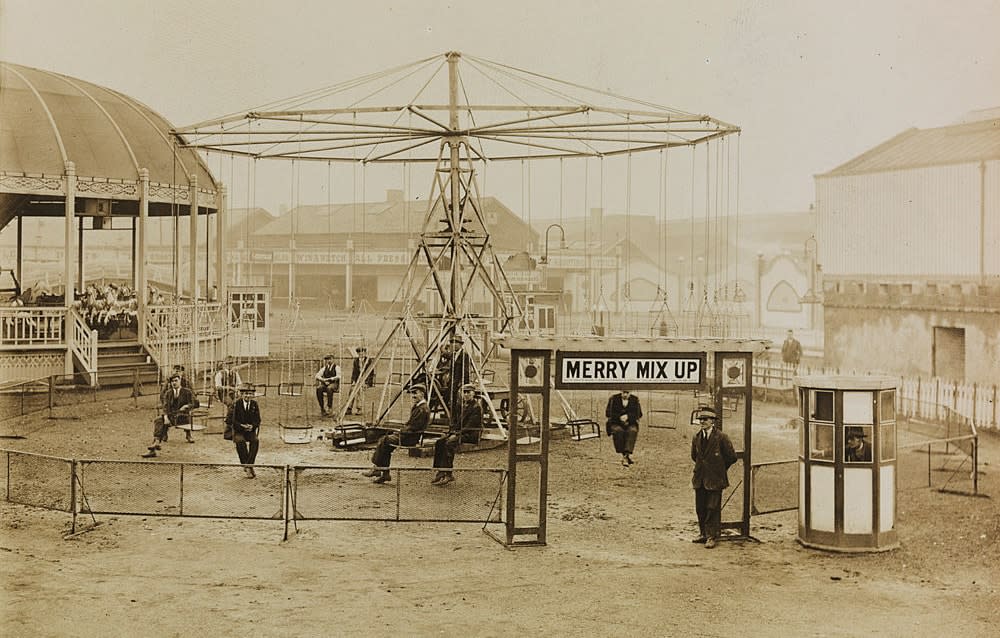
(182, 333)
(84, 345)
(29, 327)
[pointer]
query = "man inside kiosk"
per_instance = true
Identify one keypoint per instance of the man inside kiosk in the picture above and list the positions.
(856, 449)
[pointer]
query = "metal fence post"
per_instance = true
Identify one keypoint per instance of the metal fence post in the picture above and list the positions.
(287, 501)
(74, 506)
(975, 465)
(994, 423)
(52, 384)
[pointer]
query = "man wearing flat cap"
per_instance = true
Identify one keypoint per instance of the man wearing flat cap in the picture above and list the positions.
(712, 453)
(466, 426)
(409, 434)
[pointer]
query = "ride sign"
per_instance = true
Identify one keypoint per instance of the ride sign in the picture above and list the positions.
(584, 370)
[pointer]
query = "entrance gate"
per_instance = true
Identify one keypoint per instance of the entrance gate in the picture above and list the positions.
(599, 363)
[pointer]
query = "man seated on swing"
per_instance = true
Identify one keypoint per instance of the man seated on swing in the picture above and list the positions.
(466, 427)
(327, 384)
(409, 434)
(176, 403)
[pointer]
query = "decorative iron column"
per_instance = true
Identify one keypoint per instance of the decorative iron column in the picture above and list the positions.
(68, 253)
(193, 238)
(140, 262)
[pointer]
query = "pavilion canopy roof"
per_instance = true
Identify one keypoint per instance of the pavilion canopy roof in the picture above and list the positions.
(47, 119)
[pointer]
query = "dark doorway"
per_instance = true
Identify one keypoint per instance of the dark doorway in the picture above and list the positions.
(949, 353)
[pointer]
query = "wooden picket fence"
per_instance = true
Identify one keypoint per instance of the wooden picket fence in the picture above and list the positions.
(932, 399)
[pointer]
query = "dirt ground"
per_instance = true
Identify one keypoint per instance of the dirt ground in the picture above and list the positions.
(619, 560)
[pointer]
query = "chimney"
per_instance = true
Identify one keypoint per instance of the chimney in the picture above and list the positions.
(596, 215)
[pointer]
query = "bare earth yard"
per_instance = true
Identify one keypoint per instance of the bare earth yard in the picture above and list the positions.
(618, 559)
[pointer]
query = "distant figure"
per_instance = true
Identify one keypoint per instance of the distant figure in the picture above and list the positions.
(791, 351)
(243, 425)
(453, 370)
(409, 434)
(466, 426)
(712, 453)
(360, 361)
(227, 382)
(856, 449)
(327, 383)
(623, 413)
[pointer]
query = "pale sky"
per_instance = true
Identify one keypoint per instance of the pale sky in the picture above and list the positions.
(812, 84)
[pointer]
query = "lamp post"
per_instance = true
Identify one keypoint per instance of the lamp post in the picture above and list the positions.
(545, 254)
(811, 298)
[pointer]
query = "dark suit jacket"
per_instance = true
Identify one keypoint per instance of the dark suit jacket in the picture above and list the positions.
(616, 408)
(239, 415)
(172, 406)
(712, 459)
(861, 455)
(469, 418)
(420, 418)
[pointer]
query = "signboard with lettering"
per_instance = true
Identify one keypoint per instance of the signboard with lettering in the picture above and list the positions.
(632, 370)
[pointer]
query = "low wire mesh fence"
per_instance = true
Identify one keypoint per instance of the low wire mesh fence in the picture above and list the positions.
(63, 391)
(38, 480)
(325, 493)
(774, 487)
(218, 490)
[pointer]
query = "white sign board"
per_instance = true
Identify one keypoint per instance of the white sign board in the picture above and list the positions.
(583, 370)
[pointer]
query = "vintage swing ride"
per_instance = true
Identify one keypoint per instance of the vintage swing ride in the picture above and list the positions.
(490, 112)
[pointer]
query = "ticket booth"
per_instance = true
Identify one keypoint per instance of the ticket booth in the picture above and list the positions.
(249, 321)
(847, 463)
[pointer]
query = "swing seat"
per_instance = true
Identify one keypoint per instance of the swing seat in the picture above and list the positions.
(583, 429)
(290, 389)
(296, 434)
(191, 427)
(349, 434)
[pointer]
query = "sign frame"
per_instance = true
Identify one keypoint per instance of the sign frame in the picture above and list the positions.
(562, 384)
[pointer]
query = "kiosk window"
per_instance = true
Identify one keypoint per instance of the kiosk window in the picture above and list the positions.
(887, 441)
(802, 436)
(821, 405)
(859, 407)
(887, 406)
(821, 441)
(858, 443)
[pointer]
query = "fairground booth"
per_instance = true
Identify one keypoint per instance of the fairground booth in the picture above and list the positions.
(89, 180)
(847, 463)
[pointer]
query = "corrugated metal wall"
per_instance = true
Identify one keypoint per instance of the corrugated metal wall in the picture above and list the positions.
(917, 222)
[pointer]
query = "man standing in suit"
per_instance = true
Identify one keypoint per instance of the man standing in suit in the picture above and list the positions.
(409, 434)
(623, 413)
(791, 351)
(712, 453)
(243, 420)
(176, 403)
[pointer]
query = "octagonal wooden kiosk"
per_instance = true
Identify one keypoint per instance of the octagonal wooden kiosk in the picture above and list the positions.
(847, 463)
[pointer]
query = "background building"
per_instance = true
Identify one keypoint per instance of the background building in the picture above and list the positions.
(908, 237)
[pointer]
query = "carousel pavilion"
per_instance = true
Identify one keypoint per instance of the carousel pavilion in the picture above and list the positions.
(92, 160)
